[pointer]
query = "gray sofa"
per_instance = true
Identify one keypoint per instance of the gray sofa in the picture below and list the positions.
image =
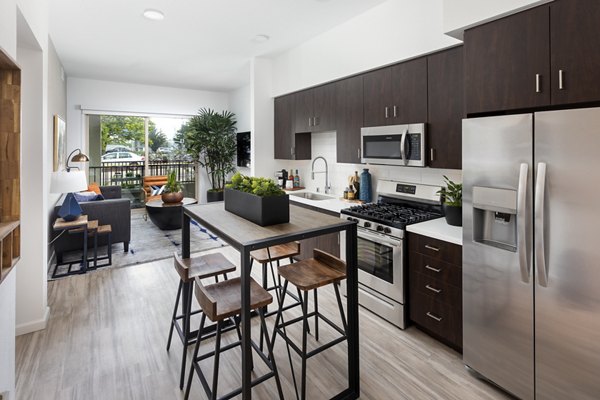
(113, 210)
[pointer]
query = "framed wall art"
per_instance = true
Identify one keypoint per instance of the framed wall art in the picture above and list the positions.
(60, 143)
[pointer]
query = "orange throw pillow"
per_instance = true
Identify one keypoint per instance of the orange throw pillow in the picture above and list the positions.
(93, 187)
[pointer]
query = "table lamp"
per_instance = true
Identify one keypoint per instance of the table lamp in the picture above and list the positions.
(68, 182)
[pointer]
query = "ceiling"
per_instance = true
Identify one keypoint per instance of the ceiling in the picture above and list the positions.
(201, 44)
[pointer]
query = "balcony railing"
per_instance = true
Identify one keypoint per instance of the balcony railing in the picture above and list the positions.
(130, 176)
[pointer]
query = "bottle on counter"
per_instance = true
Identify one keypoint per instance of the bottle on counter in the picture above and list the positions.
(356, 184)
(345, 193)
(290, 179)
(365, 186)
(285, 178)
(296, 180)
(351, 195)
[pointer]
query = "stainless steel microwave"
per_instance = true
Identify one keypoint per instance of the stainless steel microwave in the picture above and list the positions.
(394, 145)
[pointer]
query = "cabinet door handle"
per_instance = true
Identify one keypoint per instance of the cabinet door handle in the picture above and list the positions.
(537, 83)
(434, 290)
(561, 85)
(358, 153)
(431, 248)
(434, 317)
(387, 112)
(438, 270)
(395, 113)
(316, 121)
(309, 121)
(292, 151)
(431, 154)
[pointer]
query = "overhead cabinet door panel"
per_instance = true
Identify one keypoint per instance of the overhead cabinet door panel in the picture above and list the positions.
(506, 63)
(575, 41)
(378, 97)
(409, 90)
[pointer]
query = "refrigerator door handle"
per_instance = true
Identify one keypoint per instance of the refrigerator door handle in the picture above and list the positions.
(403, 147)
(522, 223)
(540, 251)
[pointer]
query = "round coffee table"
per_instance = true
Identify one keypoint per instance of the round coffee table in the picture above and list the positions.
(167, 216)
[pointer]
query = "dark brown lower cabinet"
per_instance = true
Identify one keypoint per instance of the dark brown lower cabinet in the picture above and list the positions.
(329, 243)
(435, 289)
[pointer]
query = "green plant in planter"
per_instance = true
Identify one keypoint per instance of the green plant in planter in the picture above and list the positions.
(262, 187)
(452, 193)
(172, 186)
(210, 138)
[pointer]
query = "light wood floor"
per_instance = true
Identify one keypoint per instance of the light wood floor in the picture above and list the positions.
(108, 329)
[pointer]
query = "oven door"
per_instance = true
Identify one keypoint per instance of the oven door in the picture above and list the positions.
(380, 260)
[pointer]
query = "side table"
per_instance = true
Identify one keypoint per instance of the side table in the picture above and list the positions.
(80, 223)
(96, 230)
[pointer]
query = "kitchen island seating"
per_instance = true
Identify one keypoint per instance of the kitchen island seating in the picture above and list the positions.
(220, 301)
(321, 270)
(204, 266)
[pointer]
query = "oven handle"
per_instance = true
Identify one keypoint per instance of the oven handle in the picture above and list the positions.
(403, 147)
(383, 239)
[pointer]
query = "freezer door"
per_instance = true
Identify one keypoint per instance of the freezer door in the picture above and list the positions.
(497, 245)
(567, 255)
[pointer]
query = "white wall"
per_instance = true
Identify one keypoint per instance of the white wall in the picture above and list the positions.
(8, 27)
(131, 98)
(462, 14)
(32, 310)
(239, 104)
(262, 118)
(390, 32)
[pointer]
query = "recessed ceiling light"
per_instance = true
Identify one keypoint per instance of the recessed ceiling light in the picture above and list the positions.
(154, 15)
(260, 38)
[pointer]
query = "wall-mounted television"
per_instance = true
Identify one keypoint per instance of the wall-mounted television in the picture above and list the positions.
(243, 149)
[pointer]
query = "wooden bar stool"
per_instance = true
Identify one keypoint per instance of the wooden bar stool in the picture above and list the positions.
(266, 257)
(220, 301)
(321, 270)
(204, 266)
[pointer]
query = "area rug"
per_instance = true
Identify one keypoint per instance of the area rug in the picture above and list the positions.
(148, 243)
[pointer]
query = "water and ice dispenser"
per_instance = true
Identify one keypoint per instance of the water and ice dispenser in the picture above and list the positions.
(495, 217)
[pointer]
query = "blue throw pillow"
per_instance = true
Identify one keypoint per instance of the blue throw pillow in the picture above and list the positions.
(87, 196)
(157, 190)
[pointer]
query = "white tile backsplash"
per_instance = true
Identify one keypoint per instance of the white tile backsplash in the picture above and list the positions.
(324, 144)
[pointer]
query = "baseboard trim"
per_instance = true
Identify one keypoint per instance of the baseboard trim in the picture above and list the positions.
(33, 326)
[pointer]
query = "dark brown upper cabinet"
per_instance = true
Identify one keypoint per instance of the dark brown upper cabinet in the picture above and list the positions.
(506, 63)
(575, 55)
(288, 145)
(315, 109)
(541, 57)
(284, 122)
(396, 94)
(445, 108)
(349, 119)
(409, 91)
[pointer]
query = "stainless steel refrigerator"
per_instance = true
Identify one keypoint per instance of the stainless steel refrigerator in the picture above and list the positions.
(531, 252)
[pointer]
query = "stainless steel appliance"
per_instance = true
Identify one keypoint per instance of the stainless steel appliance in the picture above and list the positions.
(531, 258)
(394, 145)
(381, 245)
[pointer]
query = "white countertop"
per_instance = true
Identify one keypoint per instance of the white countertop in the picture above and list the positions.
(438, 229)
(334, 204)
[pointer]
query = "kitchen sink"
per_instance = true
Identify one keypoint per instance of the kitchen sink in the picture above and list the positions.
(311, 196)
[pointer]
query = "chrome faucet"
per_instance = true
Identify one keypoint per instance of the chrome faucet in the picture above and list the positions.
(326, 172)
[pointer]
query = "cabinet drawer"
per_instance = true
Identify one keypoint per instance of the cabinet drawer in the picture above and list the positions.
(436, 289)
(435, 268)
(438, 249)
(441, 320)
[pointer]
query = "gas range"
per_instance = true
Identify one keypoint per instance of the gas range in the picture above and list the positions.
(381, 247)
(408, 204)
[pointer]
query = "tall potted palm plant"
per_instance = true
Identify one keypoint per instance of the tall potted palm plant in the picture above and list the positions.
(210, 138)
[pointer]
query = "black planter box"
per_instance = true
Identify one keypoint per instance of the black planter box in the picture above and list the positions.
(262, 211)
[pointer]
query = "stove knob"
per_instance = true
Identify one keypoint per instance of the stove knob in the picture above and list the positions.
(379, 228)
(367, 225)
(350, 218)
(387, 230)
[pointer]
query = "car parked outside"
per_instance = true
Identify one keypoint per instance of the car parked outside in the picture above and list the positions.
(122, 156)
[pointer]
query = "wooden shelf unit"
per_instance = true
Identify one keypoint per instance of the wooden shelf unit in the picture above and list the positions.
(10, 164)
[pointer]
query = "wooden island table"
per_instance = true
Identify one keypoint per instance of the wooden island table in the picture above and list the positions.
(245, 236)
